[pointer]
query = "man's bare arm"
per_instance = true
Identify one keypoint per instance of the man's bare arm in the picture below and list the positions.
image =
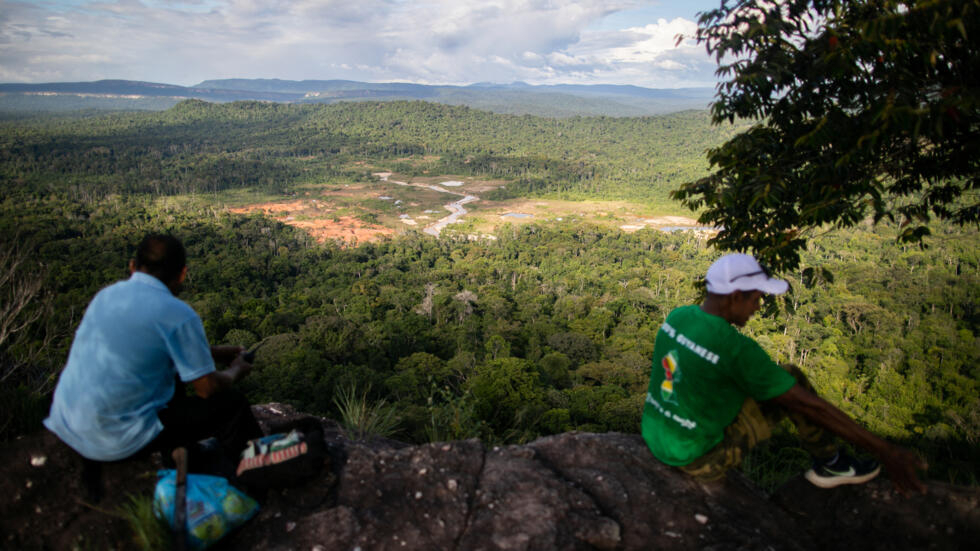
(900, 463)
(216, 380)
(225, 354)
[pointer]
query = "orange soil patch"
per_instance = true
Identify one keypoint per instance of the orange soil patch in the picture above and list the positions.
(347, 229)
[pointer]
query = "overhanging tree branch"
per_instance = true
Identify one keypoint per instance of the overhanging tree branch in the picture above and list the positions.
(865, 108)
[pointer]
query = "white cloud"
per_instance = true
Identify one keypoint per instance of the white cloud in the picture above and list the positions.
(434, 41)
(559, 59)
(653, 40)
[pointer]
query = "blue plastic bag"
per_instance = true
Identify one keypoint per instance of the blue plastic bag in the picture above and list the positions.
(214, 507)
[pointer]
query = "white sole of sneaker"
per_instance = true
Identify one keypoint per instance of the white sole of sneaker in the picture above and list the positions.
(833, 482)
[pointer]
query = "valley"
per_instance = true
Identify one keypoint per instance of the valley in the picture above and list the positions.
(311, 229)
(385, 206)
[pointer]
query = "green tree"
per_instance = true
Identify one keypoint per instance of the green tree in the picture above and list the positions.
(508, 393)
(863, 108)
(417, 376)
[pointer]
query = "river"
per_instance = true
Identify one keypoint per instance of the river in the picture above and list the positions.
(455, 208)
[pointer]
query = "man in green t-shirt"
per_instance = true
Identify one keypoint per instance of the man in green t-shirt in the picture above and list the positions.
(714, 393)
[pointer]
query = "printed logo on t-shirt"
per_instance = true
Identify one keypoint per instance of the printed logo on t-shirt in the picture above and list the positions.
(671, 375)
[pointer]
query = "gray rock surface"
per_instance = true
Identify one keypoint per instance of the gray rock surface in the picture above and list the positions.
(569, 491)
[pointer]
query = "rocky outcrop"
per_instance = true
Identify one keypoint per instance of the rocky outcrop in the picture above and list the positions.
(569, 491)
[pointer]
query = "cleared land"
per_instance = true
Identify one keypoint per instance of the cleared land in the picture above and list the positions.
(357, 213)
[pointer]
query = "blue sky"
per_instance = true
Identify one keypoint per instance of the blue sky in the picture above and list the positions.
(425, 41)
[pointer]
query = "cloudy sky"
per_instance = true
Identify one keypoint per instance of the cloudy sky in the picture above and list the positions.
(426, 41)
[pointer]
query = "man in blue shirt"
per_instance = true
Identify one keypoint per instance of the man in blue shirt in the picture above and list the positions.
(118, 395)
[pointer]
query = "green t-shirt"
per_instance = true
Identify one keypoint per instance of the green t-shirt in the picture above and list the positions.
(703, 370)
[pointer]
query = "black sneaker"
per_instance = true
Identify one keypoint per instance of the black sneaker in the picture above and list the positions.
(842, 470)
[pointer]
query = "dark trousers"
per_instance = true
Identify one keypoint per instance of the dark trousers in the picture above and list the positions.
(754, 424)
(225, 416)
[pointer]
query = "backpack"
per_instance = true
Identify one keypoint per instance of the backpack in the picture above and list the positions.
(211, 508)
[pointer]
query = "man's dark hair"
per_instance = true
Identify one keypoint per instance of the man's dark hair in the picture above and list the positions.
(162, 256)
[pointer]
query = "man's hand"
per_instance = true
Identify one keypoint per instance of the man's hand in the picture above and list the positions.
(902, 465)
(216, 380)
(239, 366)
(226, 354)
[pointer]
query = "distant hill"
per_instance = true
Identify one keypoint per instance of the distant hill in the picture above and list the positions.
(562, 100)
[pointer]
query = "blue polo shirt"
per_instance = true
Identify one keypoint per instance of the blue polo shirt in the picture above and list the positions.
(135, 336)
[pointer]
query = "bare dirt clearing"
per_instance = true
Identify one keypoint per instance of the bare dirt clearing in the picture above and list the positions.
(468, 185)
(368, 211)
(313, 217)
(348, 229)
(624, 215)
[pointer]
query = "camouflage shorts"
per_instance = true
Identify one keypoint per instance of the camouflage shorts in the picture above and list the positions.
(754, 424)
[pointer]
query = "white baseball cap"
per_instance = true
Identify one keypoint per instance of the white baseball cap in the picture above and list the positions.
(741, 272)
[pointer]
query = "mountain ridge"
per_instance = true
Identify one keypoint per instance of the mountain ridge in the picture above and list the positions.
(558, 100)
